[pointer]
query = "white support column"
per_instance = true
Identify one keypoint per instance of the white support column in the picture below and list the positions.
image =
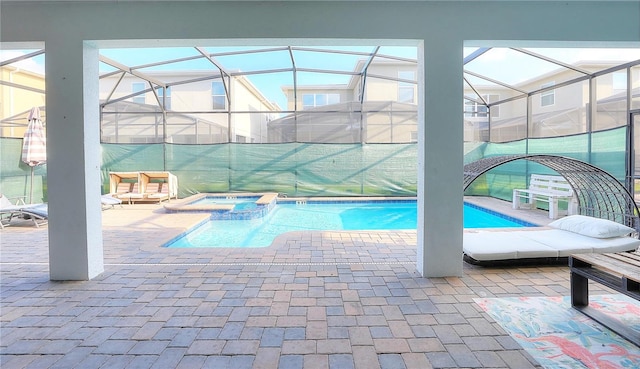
(73, 163)
(440, 160)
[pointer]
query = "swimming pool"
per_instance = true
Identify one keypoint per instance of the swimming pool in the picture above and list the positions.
(291, 216)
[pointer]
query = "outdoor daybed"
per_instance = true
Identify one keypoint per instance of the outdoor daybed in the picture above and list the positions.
(573, 234)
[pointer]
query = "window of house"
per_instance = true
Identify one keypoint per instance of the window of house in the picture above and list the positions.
(470, 108)
(308, 101)
(167, 99)
(135, 88)
(548, 98)
(218, 96)
(474, 109)
(313, 100)
(406, 90)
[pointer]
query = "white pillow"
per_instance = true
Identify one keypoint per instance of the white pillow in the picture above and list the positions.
(592, 227)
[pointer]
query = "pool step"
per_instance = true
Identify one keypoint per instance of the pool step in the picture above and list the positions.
(267, 198)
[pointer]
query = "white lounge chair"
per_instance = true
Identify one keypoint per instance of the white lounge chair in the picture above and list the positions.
(38, 213)
(109, 201)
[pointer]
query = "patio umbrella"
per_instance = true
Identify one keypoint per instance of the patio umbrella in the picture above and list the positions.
(34, 145)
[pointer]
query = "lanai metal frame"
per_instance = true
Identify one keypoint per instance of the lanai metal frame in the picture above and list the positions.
(599, 194)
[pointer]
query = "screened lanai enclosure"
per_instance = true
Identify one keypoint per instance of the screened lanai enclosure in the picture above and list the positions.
(320, 120)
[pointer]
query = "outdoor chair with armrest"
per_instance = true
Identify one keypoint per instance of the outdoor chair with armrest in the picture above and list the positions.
(122, 188)
(135, 194)
(157, 191)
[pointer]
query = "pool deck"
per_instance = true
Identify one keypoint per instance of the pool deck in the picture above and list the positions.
(311, 300)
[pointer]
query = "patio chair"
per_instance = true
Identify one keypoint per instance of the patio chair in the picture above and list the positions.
(7, 208)
(121, 189)
(109, 201)
(5, 202)
(157, 191)
(38, 213)
(132, 196)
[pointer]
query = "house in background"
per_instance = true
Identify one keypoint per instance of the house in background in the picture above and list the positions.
(191, 108)
(555, 111)
(15, 103)
(377, 104)
(378, 108)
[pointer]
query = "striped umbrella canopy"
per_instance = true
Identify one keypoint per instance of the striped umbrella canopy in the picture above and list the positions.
(34, 144)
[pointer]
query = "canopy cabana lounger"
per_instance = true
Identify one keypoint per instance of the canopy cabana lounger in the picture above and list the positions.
(607, 218)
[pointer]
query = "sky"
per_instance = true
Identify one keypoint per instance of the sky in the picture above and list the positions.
(513, 67)
(502, 64)
(270, 84)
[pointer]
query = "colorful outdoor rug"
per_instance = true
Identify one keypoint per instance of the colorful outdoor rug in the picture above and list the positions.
(558, 336)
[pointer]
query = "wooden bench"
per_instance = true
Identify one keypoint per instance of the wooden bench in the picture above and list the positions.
(546, 188)
(618, 271)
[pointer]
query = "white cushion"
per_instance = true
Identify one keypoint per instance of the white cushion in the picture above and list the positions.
(496, 245)
(542, 242)
(591, 227)
(565, 243)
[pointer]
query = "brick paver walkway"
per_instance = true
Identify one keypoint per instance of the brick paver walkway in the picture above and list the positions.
(312, 300)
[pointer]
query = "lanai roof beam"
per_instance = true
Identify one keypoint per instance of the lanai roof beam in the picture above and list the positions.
(212, 60)
(21, 57)
(469, 58)
(551, 60)
(124, 68)
(494, 81)
(295, 78)
(222, 70)
(115, 86)
(23, 87)
(482, 101)
(364, 70)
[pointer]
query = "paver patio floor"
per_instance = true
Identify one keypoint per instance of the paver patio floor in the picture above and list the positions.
(311, 300)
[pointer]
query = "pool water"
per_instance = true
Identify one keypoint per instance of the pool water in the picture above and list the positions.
(289, 217)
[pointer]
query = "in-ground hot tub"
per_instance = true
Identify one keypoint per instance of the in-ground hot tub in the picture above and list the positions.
(227, 205)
